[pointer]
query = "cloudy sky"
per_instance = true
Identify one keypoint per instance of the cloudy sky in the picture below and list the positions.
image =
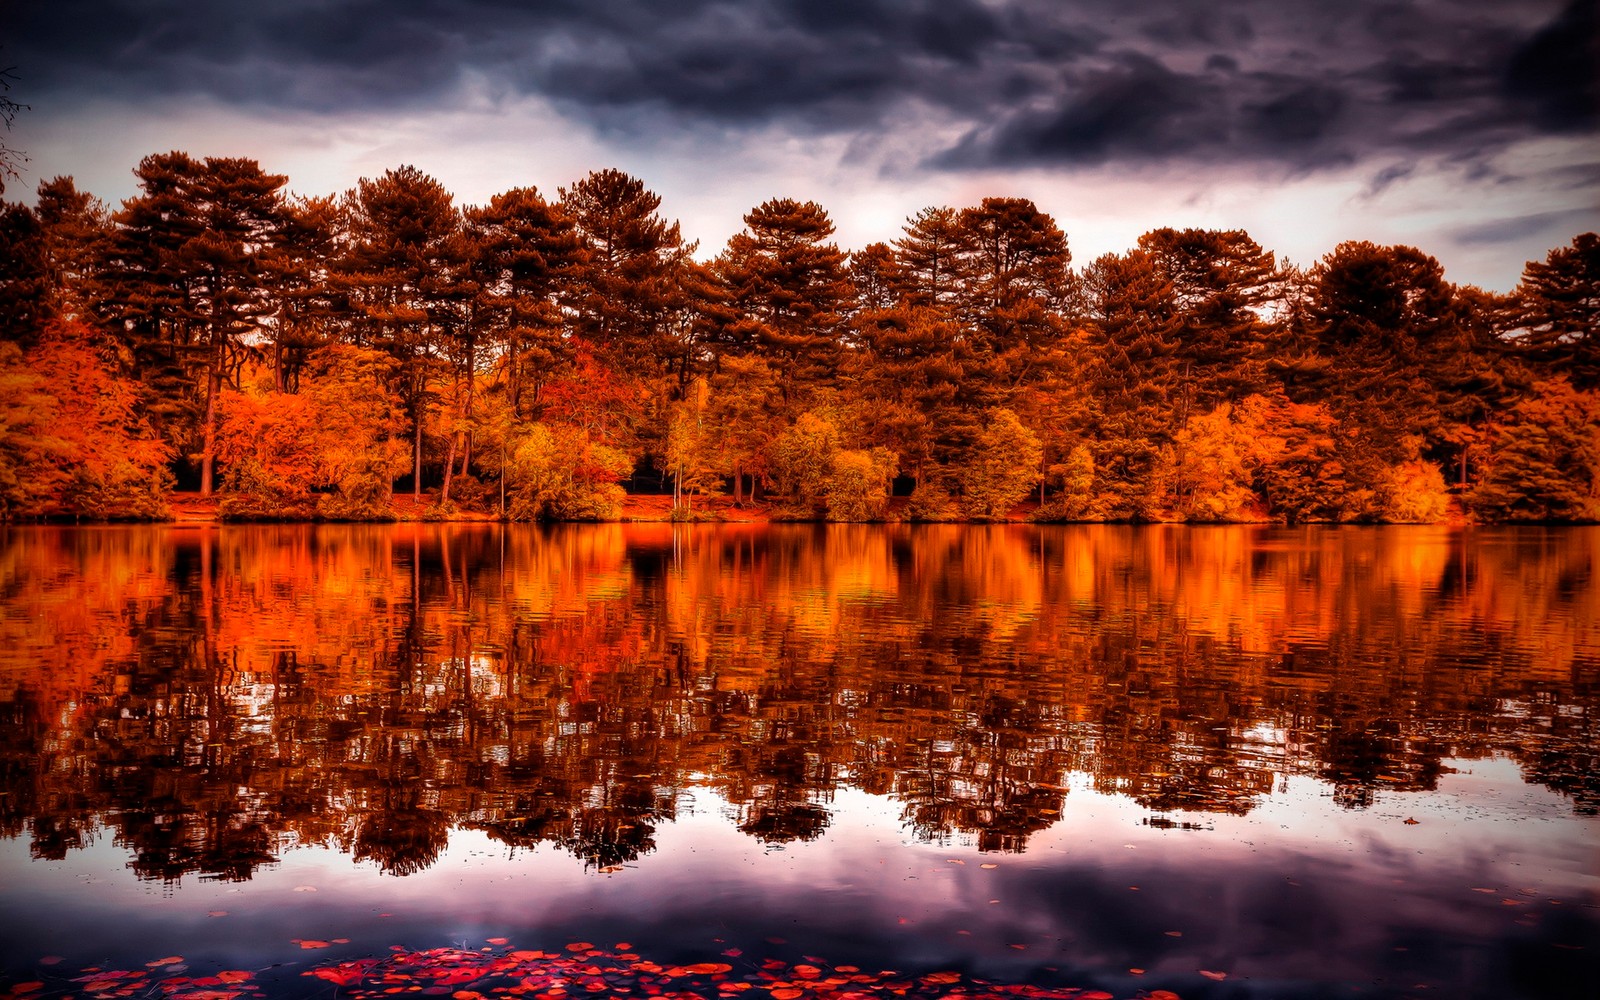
(1469, 128)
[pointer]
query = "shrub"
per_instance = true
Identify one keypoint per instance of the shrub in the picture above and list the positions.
(1002, 468)
(857, 487)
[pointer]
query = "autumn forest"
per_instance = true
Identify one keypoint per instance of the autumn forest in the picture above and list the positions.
(542, 358)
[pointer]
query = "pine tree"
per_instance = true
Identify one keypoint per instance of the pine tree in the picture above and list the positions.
(1138, 399)
(305, 310)
(1559, 314)
(76, 226)
(789, 290)
(528, 258)
(1544, 458)
(1013, 281)
(183, 281)
(1219, 282)
(932, 256)
(623, 284)
(402, 272)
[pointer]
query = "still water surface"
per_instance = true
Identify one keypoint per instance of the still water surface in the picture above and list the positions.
(1220, 762)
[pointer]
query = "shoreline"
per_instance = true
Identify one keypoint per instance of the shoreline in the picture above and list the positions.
(191, 509)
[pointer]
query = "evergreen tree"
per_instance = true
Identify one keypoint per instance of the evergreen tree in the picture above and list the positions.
(1013, 281)
(789, 290)
(1559, 311)
(1219, 282)
(304, 310)
(623, 284)
(1406, 362)
(1138, 399)
(184, 279)
(75, 226)
(25, 278)
(1544, 458)
(932, 256)
(905, 380)
(402, 272)
(528, 257)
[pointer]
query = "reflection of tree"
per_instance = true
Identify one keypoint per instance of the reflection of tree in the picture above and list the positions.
(372, 687)
(998, 777)
(403, 840)
(779, 822)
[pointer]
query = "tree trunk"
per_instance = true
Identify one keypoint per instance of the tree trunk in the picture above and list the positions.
(472, 368)
(277, 357)
(208, 455)
(449, 469)
(416, 464)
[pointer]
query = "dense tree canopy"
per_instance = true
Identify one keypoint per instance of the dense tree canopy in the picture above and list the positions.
(535, 356)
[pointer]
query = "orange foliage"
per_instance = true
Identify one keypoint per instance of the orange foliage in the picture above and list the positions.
(71, 438)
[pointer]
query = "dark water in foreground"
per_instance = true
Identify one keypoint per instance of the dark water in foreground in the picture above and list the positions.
(1245, 762)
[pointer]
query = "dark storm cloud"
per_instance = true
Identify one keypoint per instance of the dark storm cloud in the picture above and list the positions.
(1029, 82)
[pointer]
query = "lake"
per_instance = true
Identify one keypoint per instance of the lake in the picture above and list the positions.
(799, 761)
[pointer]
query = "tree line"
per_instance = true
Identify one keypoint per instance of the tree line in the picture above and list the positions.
(537, 356)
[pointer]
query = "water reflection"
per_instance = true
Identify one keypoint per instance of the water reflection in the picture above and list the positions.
(208, 698)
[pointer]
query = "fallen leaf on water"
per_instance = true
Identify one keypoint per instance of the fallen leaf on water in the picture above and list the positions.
(733, 953)
(1137, 972)
(1412, 822)
(1218, 976)
(466, 995)
(235, 976)
(708, 968)
(216, 913)
(305, 888)
(169, 960)
(498, 940)
(1174, 933)
(580, 946)
(22, 988)
(1020, 947)
(1161, 995)
(954, 861)
(988, 866)
(787, 994)
(308, 945)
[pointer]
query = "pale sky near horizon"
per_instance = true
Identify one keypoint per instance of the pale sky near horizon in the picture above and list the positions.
(1467, 128)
